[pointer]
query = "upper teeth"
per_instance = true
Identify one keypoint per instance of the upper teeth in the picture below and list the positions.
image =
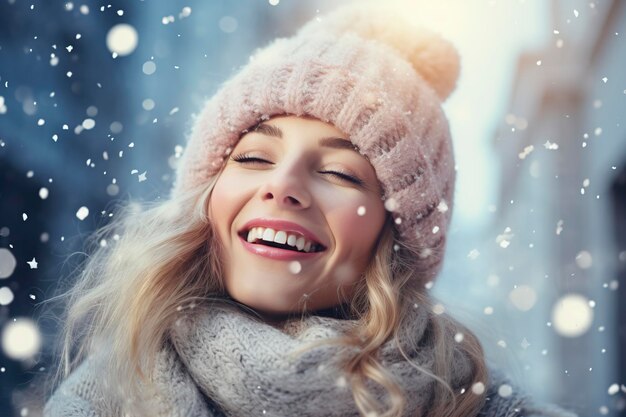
(279, 236)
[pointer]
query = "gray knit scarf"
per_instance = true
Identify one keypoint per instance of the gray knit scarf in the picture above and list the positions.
(244, 366)
(222, 362)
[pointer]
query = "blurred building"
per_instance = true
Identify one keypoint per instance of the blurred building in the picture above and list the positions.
(561, 211)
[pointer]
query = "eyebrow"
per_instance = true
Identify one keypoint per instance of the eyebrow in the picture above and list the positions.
(329, 142)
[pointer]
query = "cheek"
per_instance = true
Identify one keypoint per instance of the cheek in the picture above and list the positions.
(226, 201)
(357, 222)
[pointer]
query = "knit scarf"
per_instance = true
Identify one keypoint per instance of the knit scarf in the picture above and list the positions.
(243, 365)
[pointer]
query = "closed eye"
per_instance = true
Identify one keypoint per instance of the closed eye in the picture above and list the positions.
(244, 158)
(343, 176)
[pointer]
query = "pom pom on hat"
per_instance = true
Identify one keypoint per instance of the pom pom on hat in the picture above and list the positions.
(433, 57)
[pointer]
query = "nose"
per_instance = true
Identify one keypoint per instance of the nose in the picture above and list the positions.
(287, 190)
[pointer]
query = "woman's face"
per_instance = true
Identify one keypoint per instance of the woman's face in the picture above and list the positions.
(298, 212)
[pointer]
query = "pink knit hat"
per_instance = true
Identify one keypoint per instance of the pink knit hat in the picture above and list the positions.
(374, 77)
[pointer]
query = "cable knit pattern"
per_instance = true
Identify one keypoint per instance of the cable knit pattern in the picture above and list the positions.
(382, 87)
(225, 363)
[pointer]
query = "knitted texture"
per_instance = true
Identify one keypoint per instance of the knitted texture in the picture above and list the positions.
(383, 87)
(223, 362)
(250, 369)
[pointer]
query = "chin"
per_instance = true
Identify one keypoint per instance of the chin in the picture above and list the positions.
(276, 312)
(265, 307)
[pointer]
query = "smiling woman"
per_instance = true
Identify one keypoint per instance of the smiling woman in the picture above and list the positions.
(291, 191)
(288, 273)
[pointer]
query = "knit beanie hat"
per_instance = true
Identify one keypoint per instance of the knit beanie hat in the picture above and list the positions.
(376, 78)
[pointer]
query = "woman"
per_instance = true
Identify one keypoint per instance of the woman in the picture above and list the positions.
(288, 273)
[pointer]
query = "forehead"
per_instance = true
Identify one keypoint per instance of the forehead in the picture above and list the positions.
(303, 128)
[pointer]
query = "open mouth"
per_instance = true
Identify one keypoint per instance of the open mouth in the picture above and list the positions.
(291, 241)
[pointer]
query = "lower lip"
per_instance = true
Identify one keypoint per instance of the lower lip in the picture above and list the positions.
(276, 253)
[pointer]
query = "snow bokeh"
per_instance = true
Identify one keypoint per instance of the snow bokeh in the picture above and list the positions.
(6, 296)
(21, 339)
(572, 315)
(7, 263)
(122, 39)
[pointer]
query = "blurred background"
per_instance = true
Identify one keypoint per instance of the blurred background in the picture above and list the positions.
(97, 98)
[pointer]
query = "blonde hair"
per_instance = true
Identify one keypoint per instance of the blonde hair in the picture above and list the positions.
(150, 263)
(390, 287)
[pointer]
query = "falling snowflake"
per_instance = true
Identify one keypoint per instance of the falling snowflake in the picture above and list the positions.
(551, 146)
(584, 259)
(478, 388)
(559, 227)
(33, 264)
(391, 204)
(88, 124)
(148, 104)
(527, 150)
(186, 12)
(505, 390)
(504, 239)
(525, 345)
(167, 19)
(82, 213)
(438, 309)
(295, 267)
